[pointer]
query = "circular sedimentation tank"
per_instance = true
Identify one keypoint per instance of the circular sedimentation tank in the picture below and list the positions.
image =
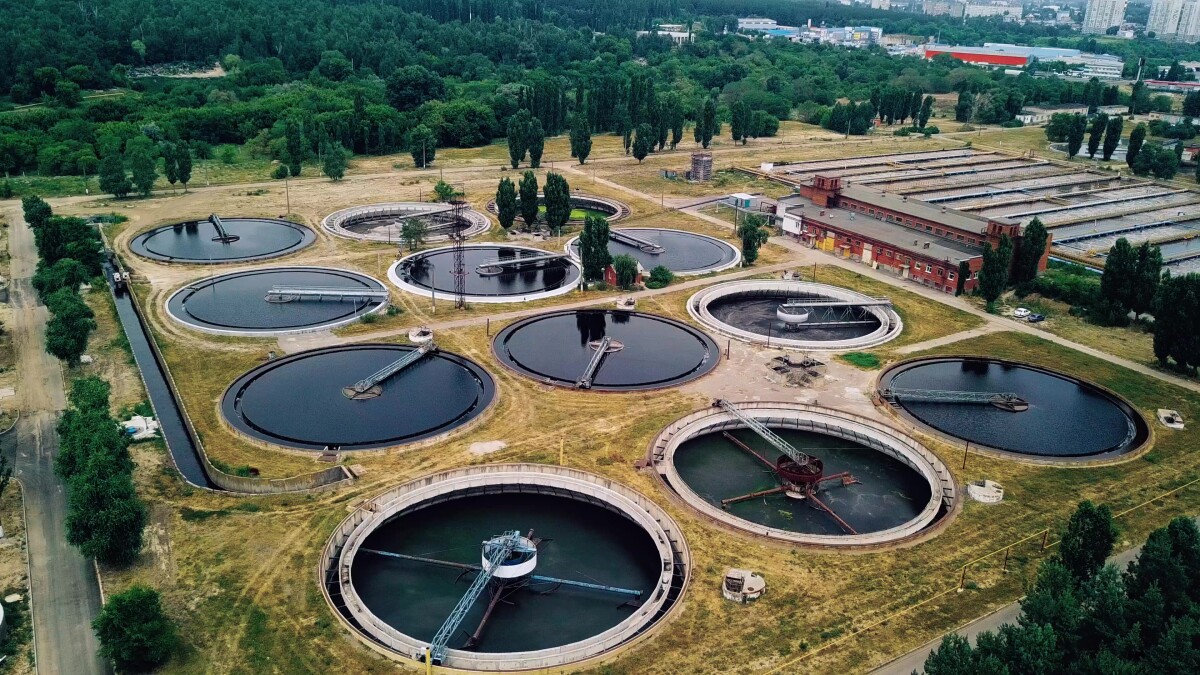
(684, 253)
(869, 486)
(1063, 417)
(301, 401)
(202, 242)
(494, 273)
(276, 301)
(832, 320)
(395, 569)
(384, 222)
(582, 206)
(643, 351)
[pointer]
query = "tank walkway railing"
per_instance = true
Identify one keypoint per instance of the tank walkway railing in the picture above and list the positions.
(222, 235)
(644, 245)
(807, 304)
(585, 380)
(533, 577)
(501, 548)
(394, 367)
(948, 396)
(762, 430)
(288, 293)
(515, 263)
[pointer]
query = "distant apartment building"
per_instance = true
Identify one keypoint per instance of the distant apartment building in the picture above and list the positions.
(1102, 15)
(881, 4)
(1175, 20)
(950, 8)
(1003, 8)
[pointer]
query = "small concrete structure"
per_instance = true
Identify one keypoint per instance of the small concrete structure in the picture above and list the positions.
(627, 303)
(742, 585)
(1170, 418)
(140, 428)
(337, 558)
(986, 491)
(420, 335)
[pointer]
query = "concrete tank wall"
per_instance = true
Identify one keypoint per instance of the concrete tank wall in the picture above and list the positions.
(338, 554)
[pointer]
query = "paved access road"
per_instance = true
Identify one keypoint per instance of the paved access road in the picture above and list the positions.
(65, 593)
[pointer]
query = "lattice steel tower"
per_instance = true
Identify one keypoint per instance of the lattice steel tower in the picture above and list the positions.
(459, 269)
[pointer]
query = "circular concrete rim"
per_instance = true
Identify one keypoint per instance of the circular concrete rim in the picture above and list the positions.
(273, 444)
(714, 351)
(482, 299)
(308, 238)
(1079, 462)
(337, 559)
(619, 209)
(333, 223)
(267, 332)
(737, 255)
(890, 323)
(872, 434)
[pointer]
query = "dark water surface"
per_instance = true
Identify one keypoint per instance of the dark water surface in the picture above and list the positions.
(756, 313)
(685, 252)
(657, 351)
(584, 543)
(192, 242)
(237, 301)
(1066, 418)
(891, 493)
(297, 401)
(434, 270)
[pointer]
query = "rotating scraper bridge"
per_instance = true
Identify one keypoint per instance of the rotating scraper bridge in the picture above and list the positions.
(507, 560)
(385, 222)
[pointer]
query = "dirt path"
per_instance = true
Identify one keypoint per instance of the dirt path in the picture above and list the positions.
(63, 586)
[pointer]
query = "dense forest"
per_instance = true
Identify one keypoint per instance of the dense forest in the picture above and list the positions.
(378, 76)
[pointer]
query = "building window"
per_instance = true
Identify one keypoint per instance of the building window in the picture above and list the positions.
(950, 276)
(871, 211)
(939, 232)
(928, 228)
(928, 269)
(941, 272)
(960, 237)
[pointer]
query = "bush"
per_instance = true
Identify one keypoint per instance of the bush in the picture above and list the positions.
(1012, 124)
(134, 631)
(930, 130)
(660, 276)
(902, 132)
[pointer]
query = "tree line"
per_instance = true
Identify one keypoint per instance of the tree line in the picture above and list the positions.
(1084, 615)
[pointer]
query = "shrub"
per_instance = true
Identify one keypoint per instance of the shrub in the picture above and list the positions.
(134, 631)
(902, 132)
(1012, 124)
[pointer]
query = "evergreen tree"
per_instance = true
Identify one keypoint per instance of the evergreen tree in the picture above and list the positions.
(1075, 135)
(739, 124)
(294, 146)
(529, 199)
(1096, 134)
(1177, 322)
(183, 163)
(536, 139)
(993, 276)
(1033, 245)
(1088, 541)
(113, 179)
(625, 131)
(643, 142)
(170, 168)
(706, 123)
(1147, 278)
(422, 145)
(333, 161)
(926, 112)
(1112, 137)
(139, 153)
(593, 247)
(557, 197)
(506, 202)
(754, 234)
(964, 109)
(518, 137)
(134, 631)
(581, 137)
(1136, 138)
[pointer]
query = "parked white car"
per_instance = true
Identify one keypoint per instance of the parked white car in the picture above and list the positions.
(1020, 312)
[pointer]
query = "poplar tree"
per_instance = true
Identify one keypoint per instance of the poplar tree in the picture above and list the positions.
(506, 202)
(529, 200)
(593, 247)
(557, 197)
(581, 137)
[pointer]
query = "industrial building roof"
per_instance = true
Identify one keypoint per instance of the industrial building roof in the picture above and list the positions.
(901, 238)
(919, 209)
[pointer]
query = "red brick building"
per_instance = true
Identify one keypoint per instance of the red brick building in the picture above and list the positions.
(913, 239)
